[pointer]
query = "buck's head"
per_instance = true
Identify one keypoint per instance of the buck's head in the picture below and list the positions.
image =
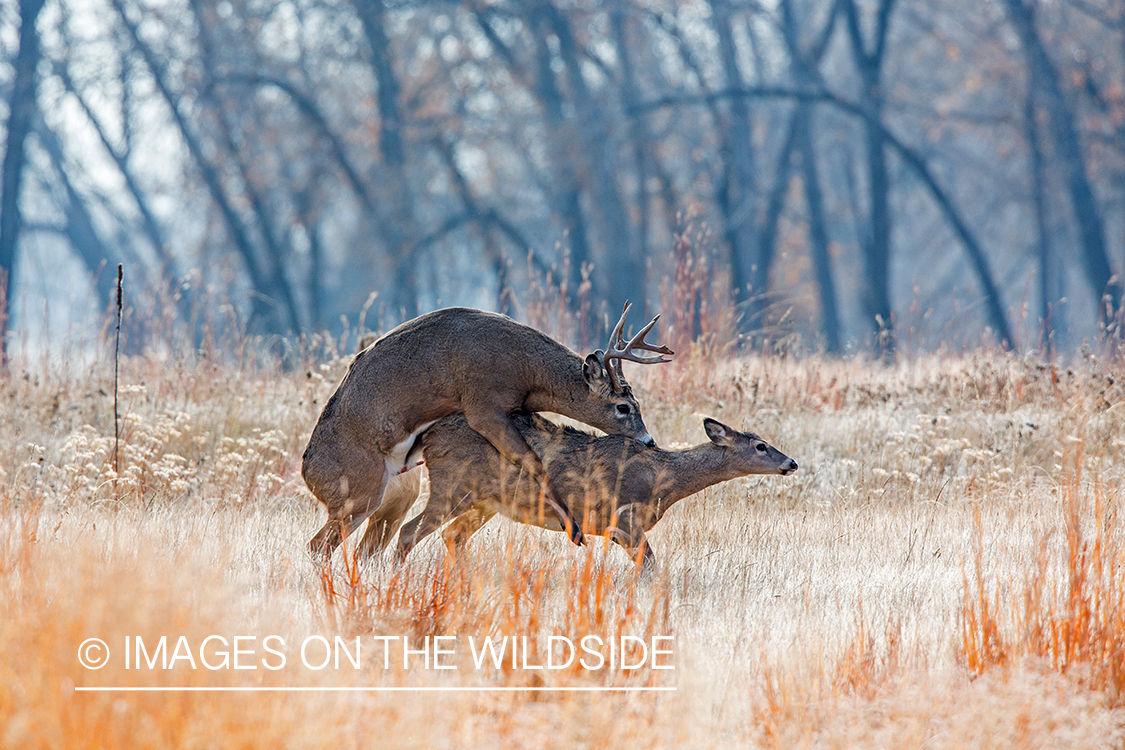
(748, 452)
(613, 408)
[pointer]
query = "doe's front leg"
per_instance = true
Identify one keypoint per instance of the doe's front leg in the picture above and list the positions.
(457, 534)
(627, 529)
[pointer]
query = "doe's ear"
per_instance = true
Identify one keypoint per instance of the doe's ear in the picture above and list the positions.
(592, 368)
(719, 433)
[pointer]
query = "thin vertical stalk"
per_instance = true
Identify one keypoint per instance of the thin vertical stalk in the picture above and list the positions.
(116, 412)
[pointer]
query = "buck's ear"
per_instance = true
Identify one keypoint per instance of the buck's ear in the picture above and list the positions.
(592, 368)
(719, 433)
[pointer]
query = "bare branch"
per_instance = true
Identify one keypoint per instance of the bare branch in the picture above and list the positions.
(911, 158)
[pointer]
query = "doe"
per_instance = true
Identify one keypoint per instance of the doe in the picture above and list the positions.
(622, 486)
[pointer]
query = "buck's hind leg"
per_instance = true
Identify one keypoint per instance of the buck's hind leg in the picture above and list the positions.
(415, 530)
(350, 482)
(401, 492)
(496, 426)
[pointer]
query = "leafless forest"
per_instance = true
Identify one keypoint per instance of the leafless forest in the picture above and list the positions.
(852, 174)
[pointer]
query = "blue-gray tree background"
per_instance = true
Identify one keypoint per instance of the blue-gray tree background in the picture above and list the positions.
(860, 173)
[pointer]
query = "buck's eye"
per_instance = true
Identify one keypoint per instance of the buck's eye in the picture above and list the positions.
(624, 409)
(761, 447)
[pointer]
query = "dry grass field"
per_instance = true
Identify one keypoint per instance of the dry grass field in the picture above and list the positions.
(947, 569)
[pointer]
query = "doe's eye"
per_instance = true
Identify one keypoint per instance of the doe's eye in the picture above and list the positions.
(761, 447)
(624, 409)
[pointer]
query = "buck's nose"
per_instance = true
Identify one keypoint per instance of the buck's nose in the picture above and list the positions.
(788, 468)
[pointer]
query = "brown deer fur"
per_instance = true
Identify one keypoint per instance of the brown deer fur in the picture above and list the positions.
(618, 485)
(480, 364)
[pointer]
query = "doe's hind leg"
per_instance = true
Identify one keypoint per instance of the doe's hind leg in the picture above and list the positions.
(628, 531)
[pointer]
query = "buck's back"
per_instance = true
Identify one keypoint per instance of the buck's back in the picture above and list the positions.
(419, 371)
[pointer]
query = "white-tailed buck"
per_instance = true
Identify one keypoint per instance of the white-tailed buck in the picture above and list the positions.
(457, 360)
(622, 487)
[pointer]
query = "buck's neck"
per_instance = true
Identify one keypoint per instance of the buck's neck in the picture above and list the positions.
(558, 384)
(692, 470)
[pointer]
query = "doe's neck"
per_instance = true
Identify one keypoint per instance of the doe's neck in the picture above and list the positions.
(695, 469)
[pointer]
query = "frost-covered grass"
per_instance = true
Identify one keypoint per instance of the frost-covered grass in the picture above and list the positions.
(946, 568)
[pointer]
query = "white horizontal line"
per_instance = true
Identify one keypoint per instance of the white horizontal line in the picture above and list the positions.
(430, 689)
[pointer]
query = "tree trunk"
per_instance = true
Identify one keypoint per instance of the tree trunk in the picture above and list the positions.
(1044, 80)
(622, 273)
(21, 109)
(1039, 207)
(805, 64)
(818, 232)
(877, 244)
(738, 200)
(399, 224)
(877, 252)
(767, 232)
(639, 134)
(562, 149)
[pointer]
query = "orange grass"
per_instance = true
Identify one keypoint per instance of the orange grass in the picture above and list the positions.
(1073, 623)
(945, 570)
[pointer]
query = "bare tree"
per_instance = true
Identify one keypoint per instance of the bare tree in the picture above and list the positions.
(1044, 79)
(737, 196)
(21, 111)
(868, 53)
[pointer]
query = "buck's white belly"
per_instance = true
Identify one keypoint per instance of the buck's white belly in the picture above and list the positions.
(397, 459)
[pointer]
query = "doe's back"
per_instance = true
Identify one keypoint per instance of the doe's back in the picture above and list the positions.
(591, 472)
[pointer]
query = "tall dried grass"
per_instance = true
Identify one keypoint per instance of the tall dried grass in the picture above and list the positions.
(944, 570)
(1068, 613)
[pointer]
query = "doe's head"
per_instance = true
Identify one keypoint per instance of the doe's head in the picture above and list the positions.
(748, 452)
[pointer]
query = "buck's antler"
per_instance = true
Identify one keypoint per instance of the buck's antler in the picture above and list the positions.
(619, 350)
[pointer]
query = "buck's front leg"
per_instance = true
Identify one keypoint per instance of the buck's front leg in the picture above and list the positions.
(450, 495)
(499, 430)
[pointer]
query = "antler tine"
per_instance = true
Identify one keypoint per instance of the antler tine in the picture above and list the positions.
(638, 342)
(616, 341)
(620, 350)
(615, 338)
